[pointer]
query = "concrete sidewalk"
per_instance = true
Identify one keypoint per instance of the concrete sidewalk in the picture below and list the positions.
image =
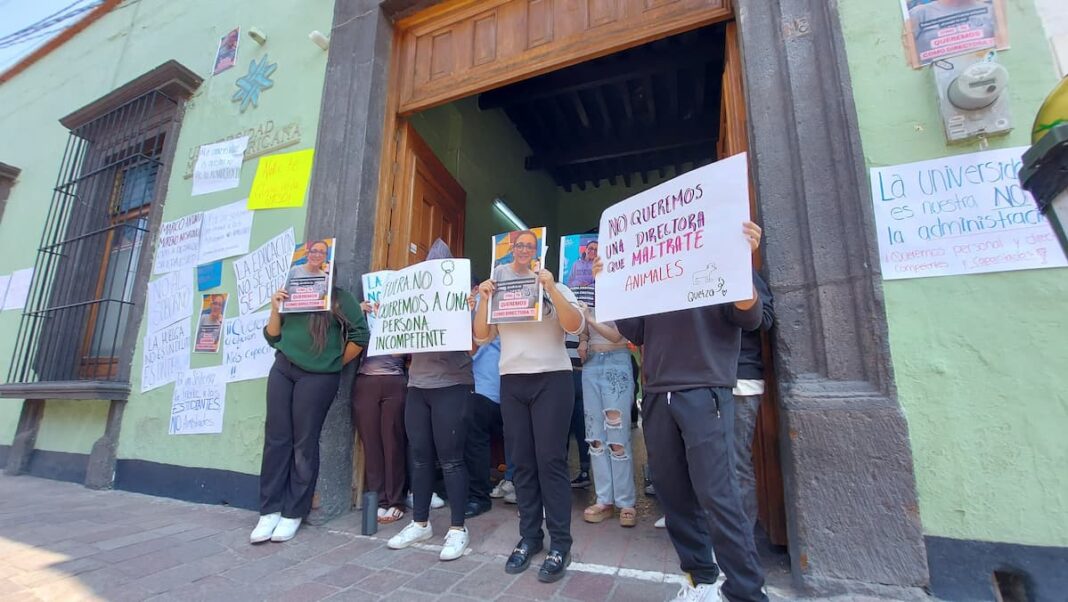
(60, 541)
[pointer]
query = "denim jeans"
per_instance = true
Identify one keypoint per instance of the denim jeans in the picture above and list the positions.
(608, 393)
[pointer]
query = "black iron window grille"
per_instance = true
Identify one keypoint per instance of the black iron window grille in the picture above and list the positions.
(77, 320)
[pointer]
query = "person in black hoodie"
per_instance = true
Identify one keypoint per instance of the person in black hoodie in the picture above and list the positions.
(688, 419)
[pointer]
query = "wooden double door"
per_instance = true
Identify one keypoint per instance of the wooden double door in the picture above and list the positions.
(463, 47)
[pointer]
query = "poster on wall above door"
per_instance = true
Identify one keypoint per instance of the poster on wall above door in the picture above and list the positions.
(938, 29)
(965, 214)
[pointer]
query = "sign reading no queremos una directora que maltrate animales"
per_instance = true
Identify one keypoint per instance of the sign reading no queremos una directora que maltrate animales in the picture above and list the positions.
(678, 245)
(424, 308)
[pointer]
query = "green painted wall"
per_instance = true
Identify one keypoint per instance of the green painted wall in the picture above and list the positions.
(72, 426)
(979, 359)
(484, 152)
(126, 43)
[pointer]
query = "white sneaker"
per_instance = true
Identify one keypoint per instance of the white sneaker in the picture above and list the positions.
(436, 502)
(455, 544)
(704, 592)
(502, 489)
(265, 527)
(661, 523)
(509, 498)
(382, 513)
(410, 534)
(286, 529)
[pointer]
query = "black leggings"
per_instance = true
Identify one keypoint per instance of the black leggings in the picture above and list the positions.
(435, 420)
(297, 402)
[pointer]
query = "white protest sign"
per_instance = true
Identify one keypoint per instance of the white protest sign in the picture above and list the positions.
(225, 232)
(965, 214)
(373, 283)
(18, 289)
(246, 354)
(170, 298)
(263, 271)
(424, 308)
(678, 245)
(179, 244)
(165, 355)
(199, 401)
(218, 166)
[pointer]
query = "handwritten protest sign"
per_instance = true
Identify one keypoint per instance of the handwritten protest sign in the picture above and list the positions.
(263, 271)
(678, 245)
(424, 308)
(179, 244)
(199, 401)
(165, 355)
(246, 354)
(170, 298)
(965, 214)
(219, 166)
(281, 180)
(225, 232)
(373, 283)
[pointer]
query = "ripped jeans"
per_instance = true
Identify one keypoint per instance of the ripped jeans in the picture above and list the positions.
(608, 392)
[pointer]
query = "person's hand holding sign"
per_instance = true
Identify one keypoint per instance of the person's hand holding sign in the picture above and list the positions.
(752, 234)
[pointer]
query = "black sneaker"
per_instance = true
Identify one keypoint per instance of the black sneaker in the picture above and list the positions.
(473, 509)
(581, 481)
(520, 557)
(554, 567)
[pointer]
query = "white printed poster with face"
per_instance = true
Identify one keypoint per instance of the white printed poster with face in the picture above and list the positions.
(516, 258)
(678, 245)
(423, 308)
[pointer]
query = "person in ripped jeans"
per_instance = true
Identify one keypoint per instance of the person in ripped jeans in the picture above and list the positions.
(608, 393)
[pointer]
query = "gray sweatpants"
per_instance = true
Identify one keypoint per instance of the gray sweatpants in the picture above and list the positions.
(690, 438)
(746, 408)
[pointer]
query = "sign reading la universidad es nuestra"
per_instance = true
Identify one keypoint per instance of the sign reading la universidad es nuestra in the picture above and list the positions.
(678, 245)
(423, 308)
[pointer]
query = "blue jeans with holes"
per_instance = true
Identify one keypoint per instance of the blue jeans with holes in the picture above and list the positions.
(608, 387)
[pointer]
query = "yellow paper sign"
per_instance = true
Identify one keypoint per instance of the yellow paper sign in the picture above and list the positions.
(281, 180)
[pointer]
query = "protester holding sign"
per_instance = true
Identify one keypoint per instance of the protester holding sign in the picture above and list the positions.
(537, 395)
(439, 386)
(688, 419)
(312, 348)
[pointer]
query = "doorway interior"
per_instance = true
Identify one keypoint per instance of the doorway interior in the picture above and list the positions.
(557, 148)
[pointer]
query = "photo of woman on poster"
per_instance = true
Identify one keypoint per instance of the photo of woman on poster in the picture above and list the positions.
(209, 328)
(943, 28)
(309, 282)
(578, 252)
(516, 258)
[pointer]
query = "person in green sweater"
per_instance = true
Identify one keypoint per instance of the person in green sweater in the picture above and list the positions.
(312, 348)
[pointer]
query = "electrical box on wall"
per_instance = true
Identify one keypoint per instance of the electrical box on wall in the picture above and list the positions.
(972, 96)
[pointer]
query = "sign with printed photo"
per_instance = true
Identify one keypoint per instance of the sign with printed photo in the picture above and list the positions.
(938, 29)
(310, 281)
(209, 328)
(577, 254)
(516, 256)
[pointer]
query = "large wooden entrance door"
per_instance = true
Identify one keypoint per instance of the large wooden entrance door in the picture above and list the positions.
(428, 203)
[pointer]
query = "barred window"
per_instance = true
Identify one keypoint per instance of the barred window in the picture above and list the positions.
(79, 325)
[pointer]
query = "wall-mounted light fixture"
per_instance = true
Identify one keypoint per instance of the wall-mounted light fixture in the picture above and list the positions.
(508, 214)
(319, 39)
(257, 35)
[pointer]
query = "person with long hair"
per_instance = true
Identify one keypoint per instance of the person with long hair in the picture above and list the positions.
(537, 396)
(312, 348)
(440, 385)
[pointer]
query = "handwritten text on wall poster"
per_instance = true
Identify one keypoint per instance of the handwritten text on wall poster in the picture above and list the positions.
(262, 139)
(246, 354)
(965, 214)
(225, 233)
(170, 298)
(678, 245)
(165, 355)
(199, 402)
(424, 308)
(373, 283)
(263, 271)
(179, 244)
(281, 180)
(219, 166)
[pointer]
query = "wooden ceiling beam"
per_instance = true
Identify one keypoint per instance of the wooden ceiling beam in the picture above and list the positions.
(665, 139)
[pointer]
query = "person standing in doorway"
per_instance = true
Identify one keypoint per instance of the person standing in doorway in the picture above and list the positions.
(688, 419)
(312, 348)
(747, 394)
(435, 416)
(577, 431)
(537, 396)
(608, 393)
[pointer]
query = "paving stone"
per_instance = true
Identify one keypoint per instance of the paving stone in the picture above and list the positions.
(484, 584)
(434, 581)
(588, 587)
(349, 552)
(383, 581)
(639, 591)
(306, 592)
(528, 586)
(345, 575)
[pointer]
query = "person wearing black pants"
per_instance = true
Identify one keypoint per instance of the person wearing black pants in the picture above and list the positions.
(688, 419)
(312, 349)
(435, 416)
(537, 398)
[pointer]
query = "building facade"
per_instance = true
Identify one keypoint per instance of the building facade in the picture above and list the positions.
(919, 420)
